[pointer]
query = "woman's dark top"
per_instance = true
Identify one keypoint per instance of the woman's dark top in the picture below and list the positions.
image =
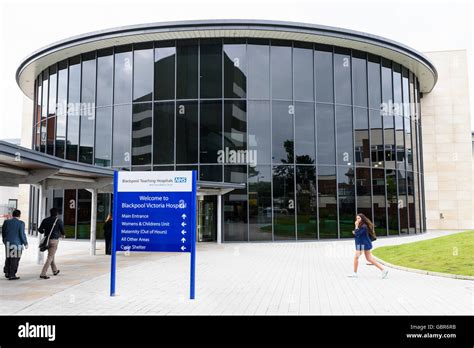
(108, 229)
(362, 239)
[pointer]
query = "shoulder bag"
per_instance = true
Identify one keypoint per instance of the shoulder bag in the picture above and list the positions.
(44, 244)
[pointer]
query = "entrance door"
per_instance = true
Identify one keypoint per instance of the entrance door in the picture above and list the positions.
(207, 219)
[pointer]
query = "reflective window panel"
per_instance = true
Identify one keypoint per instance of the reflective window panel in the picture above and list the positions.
(210, 69)
(123, 75)
(282, 132)
(143, 62)
(305, 147)
(306, 202)
(260, 203)
(105, 77)
(303, 58)
(259, 131)
(346, 188)
(323, 74)
(235, 134)
(379, 202)
(325, 129)
(103, 137)
(344, 132)
(281, 70)
(235, 205)
(187, 70)
(163, 133)
(284, 202)
(210, 134)
(359, 78)
(122, 130)
(258, 69)
(142, 130)
(187, 132)
(361, 137)
(327, 202)
(235, 69)
(364, 192)
(165, 60)
(73, 114)
(342, 76)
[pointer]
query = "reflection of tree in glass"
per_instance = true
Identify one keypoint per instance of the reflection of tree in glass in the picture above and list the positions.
(391, 190)
(289, 148)
(350, 176)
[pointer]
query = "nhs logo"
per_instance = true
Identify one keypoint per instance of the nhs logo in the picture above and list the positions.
(179, 179)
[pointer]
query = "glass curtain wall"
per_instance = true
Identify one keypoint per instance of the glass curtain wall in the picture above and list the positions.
(317, 133)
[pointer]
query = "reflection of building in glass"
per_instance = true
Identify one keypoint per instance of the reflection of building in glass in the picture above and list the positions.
(310, 111)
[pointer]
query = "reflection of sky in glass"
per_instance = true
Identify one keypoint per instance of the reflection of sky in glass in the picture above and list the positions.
(104, 80)
(143, 75)
(123, 77)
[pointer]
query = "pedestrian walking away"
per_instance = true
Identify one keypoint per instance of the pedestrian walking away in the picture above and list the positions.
(54, 227)
(14, 238)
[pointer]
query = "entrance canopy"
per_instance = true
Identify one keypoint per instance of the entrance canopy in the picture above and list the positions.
(19, 165)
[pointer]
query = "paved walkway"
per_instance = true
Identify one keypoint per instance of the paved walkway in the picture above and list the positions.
(237, 278)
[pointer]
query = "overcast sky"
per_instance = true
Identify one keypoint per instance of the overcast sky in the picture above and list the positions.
(27, 26)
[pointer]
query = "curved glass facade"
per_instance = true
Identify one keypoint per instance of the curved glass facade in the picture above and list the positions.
(316, 132)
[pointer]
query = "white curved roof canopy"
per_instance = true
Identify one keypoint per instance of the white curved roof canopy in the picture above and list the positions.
(31, 66)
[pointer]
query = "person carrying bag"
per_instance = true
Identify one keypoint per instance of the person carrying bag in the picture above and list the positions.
(44, 244)
(56, 229)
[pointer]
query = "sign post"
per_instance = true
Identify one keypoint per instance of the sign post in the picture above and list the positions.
(154, 212)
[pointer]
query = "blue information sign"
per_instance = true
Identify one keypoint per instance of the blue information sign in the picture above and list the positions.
(154, 211)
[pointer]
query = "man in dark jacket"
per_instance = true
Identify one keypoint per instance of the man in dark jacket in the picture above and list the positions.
(14, 238)
(55, 226)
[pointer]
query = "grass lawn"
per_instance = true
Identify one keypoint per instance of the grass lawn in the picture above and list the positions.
(450, 254)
